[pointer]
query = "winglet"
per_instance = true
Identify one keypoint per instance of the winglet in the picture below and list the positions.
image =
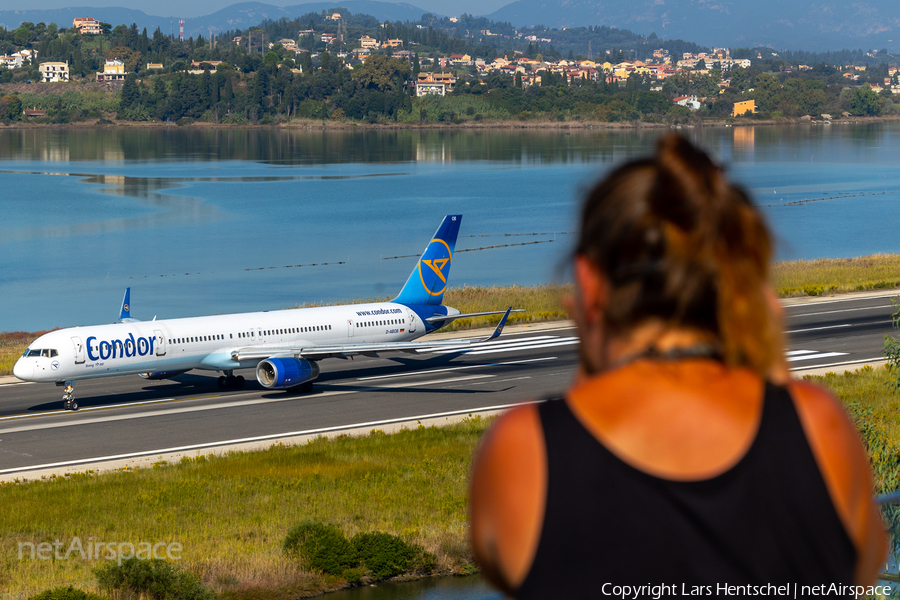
(125, 312)
(500, 325)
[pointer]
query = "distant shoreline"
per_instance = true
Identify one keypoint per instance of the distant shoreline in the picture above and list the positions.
(548, 125)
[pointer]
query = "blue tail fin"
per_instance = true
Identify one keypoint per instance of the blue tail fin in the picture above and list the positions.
(427, 282)
(126, 305)
(125, 313)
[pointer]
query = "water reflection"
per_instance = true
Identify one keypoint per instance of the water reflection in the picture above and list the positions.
(305, 147)
(442, 588)
(167, 209)
(326, 146)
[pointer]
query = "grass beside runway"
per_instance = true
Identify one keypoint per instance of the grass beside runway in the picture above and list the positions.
(231, 513)
(836, 275)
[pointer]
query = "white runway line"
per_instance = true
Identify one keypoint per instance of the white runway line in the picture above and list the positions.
(813, 356)
(820, 328)
(413, 373)
(506, 346)
(260, 438)
(530, 347)
(831, 312)
(503, 342)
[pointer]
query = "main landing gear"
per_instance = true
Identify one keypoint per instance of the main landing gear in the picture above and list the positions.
(303, 388)
(69, 402)
(230, 382)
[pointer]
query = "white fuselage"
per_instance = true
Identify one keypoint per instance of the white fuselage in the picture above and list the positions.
(208, 342)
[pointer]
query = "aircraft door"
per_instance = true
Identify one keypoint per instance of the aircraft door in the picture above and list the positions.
(79, 350)
(160, 343)
(411, 316)
(350, 326)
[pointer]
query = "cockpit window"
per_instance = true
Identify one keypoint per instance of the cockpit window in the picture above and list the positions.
(33, 353)
(27, 350)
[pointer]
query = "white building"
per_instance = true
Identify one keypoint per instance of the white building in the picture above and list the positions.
(52, 72)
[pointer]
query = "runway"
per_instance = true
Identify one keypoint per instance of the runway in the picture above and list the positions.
(124, 420)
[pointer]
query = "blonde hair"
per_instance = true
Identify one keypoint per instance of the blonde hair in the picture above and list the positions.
(678, 242)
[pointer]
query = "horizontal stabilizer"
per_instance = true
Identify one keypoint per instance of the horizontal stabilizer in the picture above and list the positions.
(437, 318)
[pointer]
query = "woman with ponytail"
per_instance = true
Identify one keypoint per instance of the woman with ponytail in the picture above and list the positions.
(683, 454)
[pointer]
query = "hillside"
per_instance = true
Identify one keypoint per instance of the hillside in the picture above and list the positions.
(782, 25)
(235, 16)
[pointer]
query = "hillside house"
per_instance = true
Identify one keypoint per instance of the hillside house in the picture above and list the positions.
(87, 25)
(53, 72)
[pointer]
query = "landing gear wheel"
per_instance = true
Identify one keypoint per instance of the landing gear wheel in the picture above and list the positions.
(221, 382)
(239, 382)
(69, 402)
(305, 388)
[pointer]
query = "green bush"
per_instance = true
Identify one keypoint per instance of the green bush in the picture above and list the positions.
(323, 547)
(66, 593)
(157, 579)
(320, 547)
(383, 554)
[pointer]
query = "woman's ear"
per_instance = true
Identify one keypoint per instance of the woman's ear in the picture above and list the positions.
(591, 292)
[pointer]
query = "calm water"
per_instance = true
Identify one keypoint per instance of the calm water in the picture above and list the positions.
(205, 222)
(444, 588)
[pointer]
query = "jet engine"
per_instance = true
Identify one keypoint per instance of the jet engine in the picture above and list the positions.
(284, 373)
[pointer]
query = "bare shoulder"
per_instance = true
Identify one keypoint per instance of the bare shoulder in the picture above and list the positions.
(842, 460)
(833, 437)
(516, 427)
(507, 493)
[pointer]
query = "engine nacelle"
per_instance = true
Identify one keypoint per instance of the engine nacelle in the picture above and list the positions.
(283, 373)
(162, 374)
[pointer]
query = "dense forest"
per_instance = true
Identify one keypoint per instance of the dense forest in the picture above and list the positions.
(260, 81)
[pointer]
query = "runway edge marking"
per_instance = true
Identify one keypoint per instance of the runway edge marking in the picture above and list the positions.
(148, 458)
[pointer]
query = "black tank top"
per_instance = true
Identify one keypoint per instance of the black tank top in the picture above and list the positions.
(767, 520)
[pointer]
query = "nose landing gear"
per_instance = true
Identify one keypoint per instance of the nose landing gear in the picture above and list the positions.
(69, 402)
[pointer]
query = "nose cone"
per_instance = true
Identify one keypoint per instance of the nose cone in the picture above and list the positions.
(23, 369)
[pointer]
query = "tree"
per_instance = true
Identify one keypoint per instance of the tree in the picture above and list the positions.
(131, 58)
(10, 108)
(131, 95)
(864, 102)
(381, 73)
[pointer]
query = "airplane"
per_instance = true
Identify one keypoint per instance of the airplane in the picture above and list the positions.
(284, 346)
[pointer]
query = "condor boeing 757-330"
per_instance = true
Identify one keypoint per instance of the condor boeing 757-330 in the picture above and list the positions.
(284, 346)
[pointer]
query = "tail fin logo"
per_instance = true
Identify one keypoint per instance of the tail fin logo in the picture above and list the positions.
(437, 258)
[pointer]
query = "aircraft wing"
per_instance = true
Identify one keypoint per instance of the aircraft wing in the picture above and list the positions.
(345, 350)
